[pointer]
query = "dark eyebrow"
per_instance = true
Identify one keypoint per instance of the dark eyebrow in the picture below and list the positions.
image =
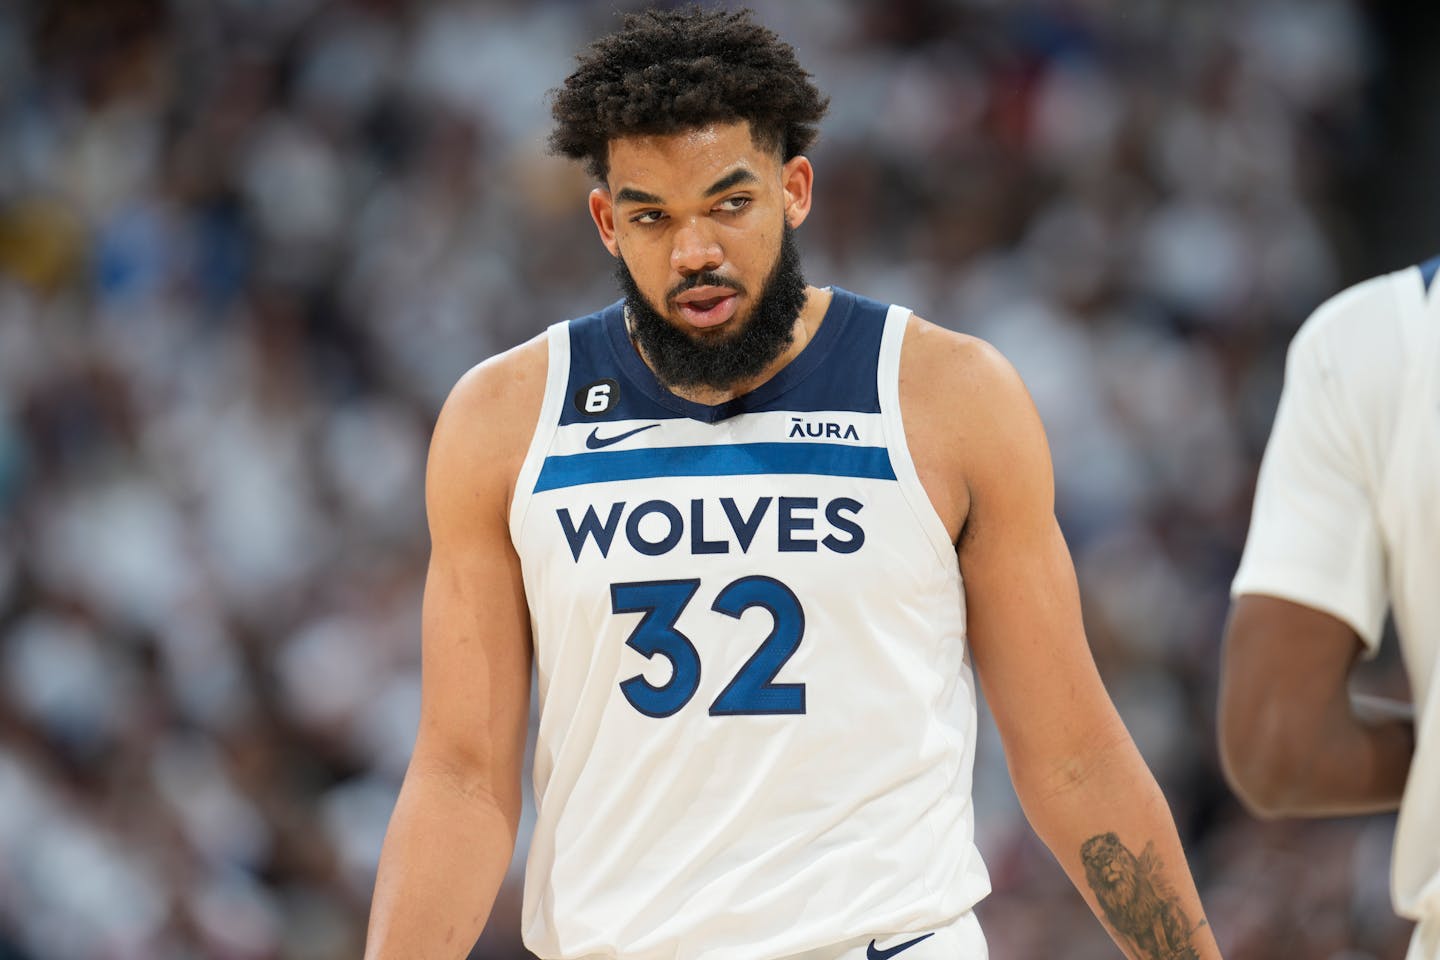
(731, 179)
(631, 195)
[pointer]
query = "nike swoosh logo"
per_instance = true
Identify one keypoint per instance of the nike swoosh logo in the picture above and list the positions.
(595, 441)
(873, 952)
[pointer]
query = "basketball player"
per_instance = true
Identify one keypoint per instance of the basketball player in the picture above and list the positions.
(752, 533)
(1347, 524)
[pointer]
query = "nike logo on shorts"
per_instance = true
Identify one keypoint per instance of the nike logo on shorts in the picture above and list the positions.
(594, 441)
(873, 952)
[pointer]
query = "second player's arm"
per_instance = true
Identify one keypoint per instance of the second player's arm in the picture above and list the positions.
(1313, 584)
(1080, 779)
(1294, 740)
(453, 831)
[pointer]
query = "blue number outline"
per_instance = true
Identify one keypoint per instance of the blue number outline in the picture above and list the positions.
(665, 599)
(753, 690)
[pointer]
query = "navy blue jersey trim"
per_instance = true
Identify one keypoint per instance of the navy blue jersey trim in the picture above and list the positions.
(720, 460)
(592, 360)
(837, 318)
(1428, 269)
(836, 371)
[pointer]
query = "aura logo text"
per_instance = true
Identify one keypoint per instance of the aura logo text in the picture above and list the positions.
(821, 430)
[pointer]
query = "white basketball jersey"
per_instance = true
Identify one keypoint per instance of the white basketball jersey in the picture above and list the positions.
(1347, 518)
(757, 714)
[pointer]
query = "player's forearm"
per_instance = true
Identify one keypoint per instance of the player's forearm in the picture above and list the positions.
(446, 852)
(1352, 758)
(1106, 821)
(1360, 767)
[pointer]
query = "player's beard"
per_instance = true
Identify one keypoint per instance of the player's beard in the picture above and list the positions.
(720, 361)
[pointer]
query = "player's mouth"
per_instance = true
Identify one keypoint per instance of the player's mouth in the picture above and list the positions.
(707, 306)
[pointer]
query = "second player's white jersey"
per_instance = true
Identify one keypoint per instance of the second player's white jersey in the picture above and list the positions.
(757, 714)
(1347, 516)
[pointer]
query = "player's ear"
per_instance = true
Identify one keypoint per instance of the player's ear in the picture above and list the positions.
(602, 211)
(796, 178)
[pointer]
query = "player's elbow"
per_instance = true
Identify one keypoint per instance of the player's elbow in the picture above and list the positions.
(1254, 780)
(466, 774)
(1262, 753)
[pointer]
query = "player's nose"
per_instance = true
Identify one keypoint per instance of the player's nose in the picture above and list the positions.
(695, 249)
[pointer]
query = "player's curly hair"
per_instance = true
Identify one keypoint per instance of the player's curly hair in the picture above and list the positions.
(666, 71)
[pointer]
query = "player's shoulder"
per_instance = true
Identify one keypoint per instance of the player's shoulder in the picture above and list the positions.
(962, 401)
(484, 428)
(1364, 319)
(505, 383)
(956, 368)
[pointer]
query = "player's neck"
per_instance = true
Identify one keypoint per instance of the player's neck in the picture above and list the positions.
(807, 323)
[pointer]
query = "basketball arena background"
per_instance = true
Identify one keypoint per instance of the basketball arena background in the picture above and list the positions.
(246, 246)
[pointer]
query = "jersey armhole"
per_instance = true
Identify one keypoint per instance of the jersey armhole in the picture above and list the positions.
(557, 376)
(888, 374)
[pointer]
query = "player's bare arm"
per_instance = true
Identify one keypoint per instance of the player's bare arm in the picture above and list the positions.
(1298, 742)
(983, 458)
(453, 830)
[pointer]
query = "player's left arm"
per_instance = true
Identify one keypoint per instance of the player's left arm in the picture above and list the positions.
(1080, 779)
(1296, 741)
(1314, 582)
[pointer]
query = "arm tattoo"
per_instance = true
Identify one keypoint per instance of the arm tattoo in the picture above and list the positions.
(1141, 907)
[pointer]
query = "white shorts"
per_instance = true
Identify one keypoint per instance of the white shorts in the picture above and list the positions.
(1425, 944)
(961, 940)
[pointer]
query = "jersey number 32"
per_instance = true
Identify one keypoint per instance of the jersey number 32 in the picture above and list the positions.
(753, 690)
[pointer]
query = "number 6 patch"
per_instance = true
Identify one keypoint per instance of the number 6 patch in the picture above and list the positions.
(599, 397)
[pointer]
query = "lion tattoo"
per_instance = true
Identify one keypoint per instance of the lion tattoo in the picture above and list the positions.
(1136, 900)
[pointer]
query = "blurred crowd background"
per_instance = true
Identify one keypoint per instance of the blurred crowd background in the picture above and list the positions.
(247, 246)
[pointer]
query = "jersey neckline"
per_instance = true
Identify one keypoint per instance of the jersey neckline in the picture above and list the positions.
(806, 362)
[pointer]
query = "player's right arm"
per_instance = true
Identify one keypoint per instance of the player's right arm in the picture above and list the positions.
(453, 830)
(1311, 592)
(1294, 741)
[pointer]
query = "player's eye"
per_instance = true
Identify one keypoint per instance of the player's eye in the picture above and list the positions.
(734, 204)
(647, 217)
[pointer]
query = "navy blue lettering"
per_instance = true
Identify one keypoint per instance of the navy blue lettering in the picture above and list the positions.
(789, 523)
(665, 545)
(698, 543)
(857, 533)
(822, 429)
(796, 518)
(745, 527)
(590, 526)
(753, 690)
(661, 603)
